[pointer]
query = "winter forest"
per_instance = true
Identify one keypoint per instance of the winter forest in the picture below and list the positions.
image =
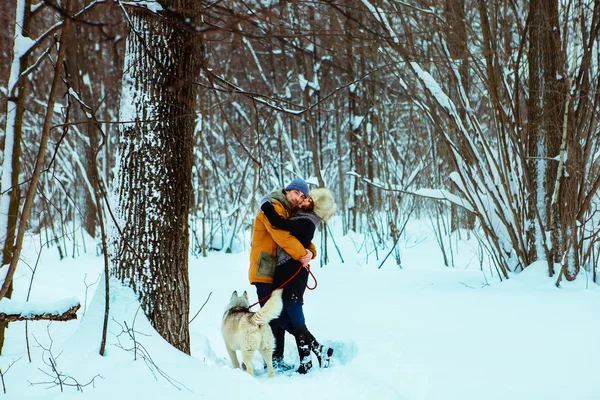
(155, 127)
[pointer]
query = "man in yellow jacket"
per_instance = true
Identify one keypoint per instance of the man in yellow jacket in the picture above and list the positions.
(263, 253)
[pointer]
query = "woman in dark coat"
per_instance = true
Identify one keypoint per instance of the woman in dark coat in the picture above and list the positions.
(319, 206)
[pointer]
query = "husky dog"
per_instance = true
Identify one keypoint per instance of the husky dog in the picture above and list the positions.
(249, 331)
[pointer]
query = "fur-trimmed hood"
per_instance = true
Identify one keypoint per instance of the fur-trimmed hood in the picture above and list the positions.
(325, 207)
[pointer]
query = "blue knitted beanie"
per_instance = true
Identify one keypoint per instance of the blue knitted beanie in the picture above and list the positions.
(298, 184)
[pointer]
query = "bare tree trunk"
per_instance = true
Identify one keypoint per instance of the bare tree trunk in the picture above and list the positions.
(458, 47)
(83, 196)
(313, 96)
(35, 178)
(545, 112)
(355, 150)
(341, 177)
(15, 159)
(150, 253)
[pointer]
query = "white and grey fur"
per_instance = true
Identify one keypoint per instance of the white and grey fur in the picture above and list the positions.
(249, 331)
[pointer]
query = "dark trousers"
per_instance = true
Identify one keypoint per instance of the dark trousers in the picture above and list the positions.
(292, 314)
(262, 291)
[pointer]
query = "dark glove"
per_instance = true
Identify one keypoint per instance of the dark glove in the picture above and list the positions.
(267, 206)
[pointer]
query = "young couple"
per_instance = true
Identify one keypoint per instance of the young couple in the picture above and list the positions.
(281, 248)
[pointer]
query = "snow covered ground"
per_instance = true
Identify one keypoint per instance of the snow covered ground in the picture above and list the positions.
(422, 331)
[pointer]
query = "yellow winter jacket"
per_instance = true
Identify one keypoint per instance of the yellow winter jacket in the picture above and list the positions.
(265, 239)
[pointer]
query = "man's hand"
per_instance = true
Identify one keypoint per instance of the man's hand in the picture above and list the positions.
(305, 259)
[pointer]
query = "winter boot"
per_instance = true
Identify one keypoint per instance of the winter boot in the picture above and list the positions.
(278, 363)
(323, 353)
(301, 334)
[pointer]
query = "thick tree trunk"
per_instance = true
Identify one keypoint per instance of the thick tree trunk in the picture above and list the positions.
(150, 247)
(545, 112)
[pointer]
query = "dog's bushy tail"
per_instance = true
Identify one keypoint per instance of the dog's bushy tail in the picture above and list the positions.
(271, 309)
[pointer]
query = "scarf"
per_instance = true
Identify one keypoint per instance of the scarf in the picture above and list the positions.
(282, 256)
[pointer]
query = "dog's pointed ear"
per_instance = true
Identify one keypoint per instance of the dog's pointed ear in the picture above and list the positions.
(245, 295)
(234, 294)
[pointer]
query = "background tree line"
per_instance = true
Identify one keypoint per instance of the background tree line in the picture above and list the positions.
(491, 107)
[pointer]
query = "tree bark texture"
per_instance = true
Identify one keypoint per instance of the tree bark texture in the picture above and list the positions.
(67, 315)
(35, 176)
(545, 112)
(150, 245)
(74, 56)
(15, 190)
(458, 46)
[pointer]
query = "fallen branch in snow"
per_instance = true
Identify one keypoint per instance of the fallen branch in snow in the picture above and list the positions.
(138, 350)
(2, 373)
(68, 315)
(59, 378)
(11, 310)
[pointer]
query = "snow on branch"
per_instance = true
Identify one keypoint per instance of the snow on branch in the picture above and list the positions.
(436, 194)
(22, 45)
(443, 194)
(152, 6)
(59, 310)
(381, 16)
